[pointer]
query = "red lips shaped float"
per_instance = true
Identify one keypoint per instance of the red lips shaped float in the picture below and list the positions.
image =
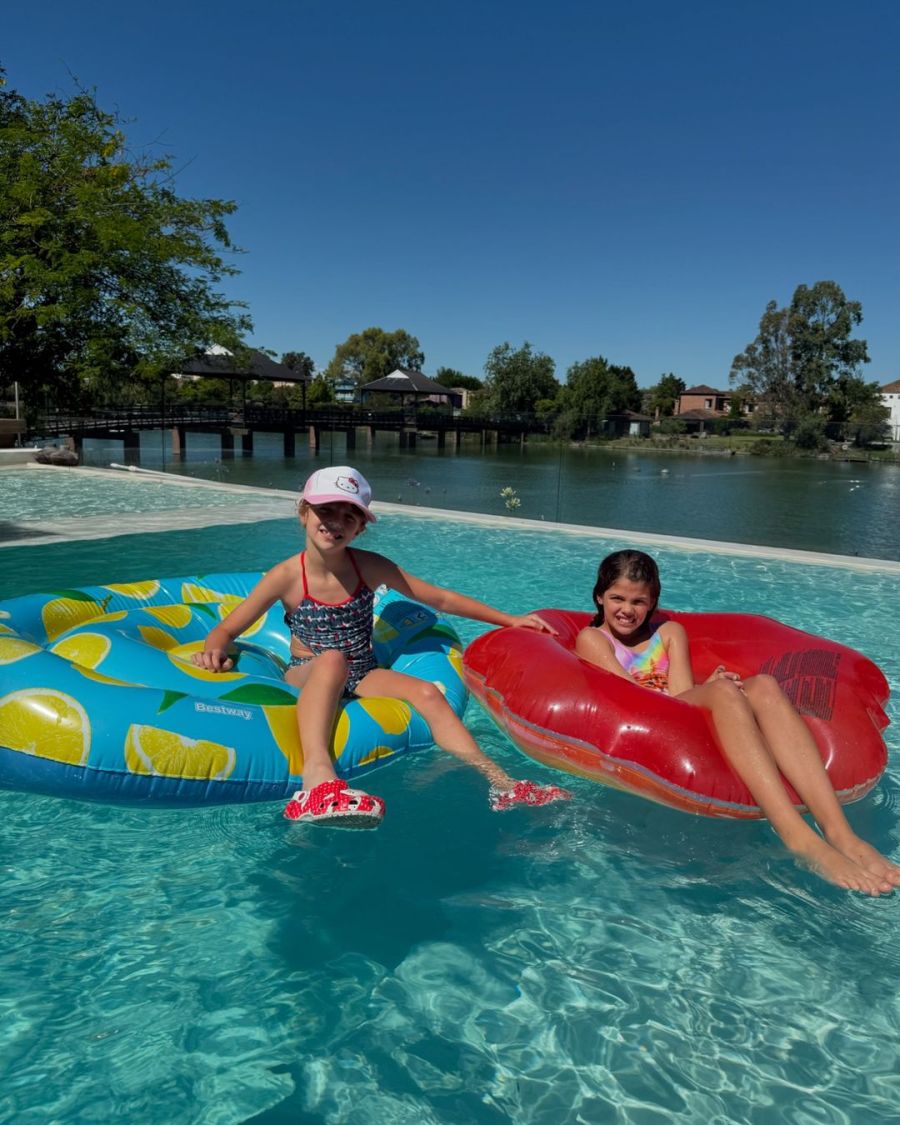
(576, 717)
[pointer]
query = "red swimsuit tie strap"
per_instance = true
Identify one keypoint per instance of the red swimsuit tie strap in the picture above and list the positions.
(303, 573)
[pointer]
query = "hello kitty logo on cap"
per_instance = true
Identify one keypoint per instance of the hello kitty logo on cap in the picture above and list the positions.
(339, 484)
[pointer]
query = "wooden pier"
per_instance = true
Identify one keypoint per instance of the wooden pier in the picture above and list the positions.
(236, 429)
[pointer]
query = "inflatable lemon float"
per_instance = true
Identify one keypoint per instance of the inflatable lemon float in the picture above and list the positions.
(99, 698)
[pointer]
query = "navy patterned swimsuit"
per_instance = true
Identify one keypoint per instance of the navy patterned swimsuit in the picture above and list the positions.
(346, 627)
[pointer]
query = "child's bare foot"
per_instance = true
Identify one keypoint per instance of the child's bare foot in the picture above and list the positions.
(842, 871)
(867, 857)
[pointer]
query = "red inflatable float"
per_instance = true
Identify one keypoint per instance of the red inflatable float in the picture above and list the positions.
(576, 717)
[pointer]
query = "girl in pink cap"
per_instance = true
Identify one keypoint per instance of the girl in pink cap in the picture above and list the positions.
(328, 592)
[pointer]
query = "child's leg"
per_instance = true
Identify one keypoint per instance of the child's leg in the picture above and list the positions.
(322, 680)
(752, 760)
(797, 756)
(447, 729)
(449, 732)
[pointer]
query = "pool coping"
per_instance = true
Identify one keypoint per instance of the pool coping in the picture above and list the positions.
(274, 503)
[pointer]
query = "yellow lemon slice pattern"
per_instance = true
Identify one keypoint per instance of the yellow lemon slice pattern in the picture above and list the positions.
(175, 616)
(392, 715)
(191, 593)
(157, 638)
(164, 753)
(86, 649)
(378, 754)
(134, 589)
(14, 648)
(180, 655)
(64, 613)
(47, 724)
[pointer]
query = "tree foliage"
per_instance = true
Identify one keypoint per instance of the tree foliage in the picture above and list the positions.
(594, 390)
(299, 362)
(105, 273)
(517, 379)
(803, 356)
(373, 353)
(662, 397)
(449, 377)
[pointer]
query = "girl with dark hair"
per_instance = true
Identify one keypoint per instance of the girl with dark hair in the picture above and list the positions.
(759, 731)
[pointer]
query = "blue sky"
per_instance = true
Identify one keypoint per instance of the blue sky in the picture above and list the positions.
(633, 181)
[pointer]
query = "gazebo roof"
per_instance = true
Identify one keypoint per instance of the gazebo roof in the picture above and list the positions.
(219, 363)
(407, 382)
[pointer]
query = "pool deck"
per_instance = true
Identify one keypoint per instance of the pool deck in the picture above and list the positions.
(253, 505)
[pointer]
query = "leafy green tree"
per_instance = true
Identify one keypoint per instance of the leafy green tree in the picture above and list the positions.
(448, 377)
(595, 389)
(516, 379)
(300, 363)
(105, 273)
(800, 354)
(662, 397)
(855, 409)
(321, 392)
(372, 354)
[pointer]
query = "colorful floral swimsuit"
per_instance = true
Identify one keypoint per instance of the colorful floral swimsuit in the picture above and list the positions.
(346, 627)
(651, 667)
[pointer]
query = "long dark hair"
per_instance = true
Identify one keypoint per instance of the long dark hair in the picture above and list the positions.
(635, 566)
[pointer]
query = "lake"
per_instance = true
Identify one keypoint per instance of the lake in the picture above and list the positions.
(834, 507)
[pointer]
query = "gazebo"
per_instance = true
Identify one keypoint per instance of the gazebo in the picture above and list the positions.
(220, 363)
(407, 385)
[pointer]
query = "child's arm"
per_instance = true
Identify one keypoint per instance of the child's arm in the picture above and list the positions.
(378, 570)
(678, 650)
(681, 676)
(269, 589)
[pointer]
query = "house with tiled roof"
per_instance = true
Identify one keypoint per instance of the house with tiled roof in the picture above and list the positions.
(703, 398)
(890, 396)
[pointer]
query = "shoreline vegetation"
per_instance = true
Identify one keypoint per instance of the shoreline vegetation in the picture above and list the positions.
(732, 446)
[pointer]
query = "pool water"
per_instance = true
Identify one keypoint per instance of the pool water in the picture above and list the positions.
(45, 494)
(606, 960)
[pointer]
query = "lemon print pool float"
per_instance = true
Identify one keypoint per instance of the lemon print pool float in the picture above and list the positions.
(99, 698)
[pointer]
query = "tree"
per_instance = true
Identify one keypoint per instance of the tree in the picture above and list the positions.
(105, 273)
(300, 363)
(662, 397)
(320, 392)
(448, 377)
(517, 379)
(801, 353)
(372, 354)
(595, 389)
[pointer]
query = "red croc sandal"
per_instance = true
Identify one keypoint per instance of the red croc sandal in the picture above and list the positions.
(527, 793)
(334, 803)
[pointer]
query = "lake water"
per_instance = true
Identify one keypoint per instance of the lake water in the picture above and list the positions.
(834, 507)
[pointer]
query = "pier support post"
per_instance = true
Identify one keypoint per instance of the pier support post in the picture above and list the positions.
(247, 443)
(179, 443)
(442, 438)
(131, 441)
(314, 436)
(351, 438)
(227, 445)
(290, 443)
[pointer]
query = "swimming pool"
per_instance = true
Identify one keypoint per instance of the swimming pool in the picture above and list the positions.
(46, 493)
(605, 960)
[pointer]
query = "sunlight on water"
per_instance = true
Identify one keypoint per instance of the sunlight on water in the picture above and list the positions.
(604, 960)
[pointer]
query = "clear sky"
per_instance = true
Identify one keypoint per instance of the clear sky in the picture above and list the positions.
(628, 180)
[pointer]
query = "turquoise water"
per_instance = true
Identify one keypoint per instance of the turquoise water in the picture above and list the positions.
(42, 494)
(834, 507)
(604, 960)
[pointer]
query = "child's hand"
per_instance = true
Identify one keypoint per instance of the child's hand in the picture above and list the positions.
(532, 621)
(720, 673)
(213, 660)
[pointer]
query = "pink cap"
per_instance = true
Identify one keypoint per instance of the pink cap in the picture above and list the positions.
(339, 484)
